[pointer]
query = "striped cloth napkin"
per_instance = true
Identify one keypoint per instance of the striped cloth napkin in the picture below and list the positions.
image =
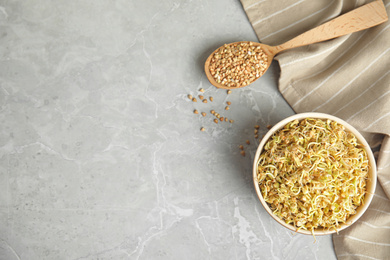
(347, 77)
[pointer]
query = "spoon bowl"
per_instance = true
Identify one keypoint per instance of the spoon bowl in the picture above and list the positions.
(270, 51)
(361, 18)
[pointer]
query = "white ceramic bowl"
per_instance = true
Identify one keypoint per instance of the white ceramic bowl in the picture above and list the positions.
(371, 182)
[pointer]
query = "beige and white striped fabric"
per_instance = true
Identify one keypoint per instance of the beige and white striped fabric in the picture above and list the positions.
(347, 77)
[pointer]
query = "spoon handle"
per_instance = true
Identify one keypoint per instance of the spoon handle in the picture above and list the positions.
(359, 19)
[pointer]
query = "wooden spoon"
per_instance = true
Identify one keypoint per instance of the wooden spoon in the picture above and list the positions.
(364, 17)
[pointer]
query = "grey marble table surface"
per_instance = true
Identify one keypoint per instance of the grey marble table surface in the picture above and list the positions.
(101, 155)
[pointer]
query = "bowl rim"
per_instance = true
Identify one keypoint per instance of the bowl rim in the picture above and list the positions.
(371, 183)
